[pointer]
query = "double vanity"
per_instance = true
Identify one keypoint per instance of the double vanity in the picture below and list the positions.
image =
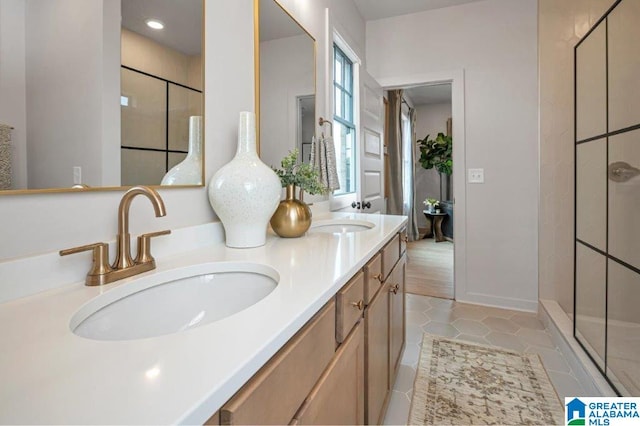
(305, 330)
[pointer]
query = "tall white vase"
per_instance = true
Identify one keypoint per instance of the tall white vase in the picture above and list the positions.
(245, 192)
(189, 171)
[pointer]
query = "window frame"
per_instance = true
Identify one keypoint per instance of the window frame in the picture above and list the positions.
(345, 85)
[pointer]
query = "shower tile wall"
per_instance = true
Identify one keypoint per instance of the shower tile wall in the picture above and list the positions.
(607, 280)
(561, 25)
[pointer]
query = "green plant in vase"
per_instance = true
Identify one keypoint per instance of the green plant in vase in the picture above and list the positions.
(432, 204)
(301, 175)
(437, 154)
(293, 217)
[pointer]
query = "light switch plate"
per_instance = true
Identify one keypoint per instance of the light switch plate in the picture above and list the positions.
(77, 175)
(476, 176)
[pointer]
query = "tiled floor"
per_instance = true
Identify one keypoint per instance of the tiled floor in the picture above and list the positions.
(490, 326)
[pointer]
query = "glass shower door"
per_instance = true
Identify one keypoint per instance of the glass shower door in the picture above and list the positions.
(607, 279)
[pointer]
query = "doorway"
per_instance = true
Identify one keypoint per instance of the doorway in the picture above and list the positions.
(438, 270)
(426, 156)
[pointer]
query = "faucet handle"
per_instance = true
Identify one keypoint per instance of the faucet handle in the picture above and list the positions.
(100, 265)
(144, 246)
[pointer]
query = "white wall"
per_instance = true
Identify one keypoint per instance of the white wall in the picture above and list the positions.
(561, 25)
(431, 119)
(286, 71)
(495, 42)
(48, 222)
(13, 109)
(72, 90)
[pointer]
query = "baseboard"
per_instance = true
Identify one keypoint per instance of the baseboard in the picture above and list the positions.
(498, 302)
(561, 328)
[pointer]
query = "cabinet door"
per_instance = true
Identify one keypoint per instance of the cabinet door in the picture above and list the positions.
(338, 397)
(396, 283)
(277, 390)
(376, 321)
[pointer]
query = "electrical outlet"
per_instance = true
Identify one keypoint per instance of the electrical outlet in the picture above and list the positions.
(77, 175)
(476, 176)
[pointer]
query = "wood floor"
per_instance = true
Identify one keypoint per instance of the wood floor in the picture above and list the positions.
(430, 268)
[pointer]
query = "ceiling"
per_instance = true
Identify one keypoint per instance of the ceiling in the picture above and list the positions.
(182, 22)
(275, 23)
(427, 95)
(380, 9)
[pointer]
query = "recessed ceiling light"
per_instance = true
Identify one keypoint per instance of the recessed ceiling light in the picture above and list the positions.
(155, 24)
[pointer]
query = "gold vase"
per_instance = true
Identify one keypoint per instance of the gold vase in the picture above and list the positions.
(292, 217)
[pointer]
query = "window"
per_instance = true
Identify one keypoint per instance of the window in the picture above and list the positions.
(407, 184)
(344, 128)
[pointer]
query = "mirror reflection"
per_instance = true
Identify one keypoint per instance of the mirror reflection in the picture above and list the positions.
(102, 93)
(287, 85)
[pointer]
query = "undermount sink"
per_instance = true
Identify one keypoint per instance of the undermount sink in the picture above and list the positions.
(173, 301)
(341, 226)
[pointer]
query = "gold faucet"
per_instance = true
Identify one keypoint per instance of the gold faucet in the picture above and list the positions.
(124, 266)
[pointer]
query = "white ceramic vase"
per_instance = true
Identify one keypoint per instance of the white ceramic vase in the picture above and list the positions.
(189, 171)
(245, 192)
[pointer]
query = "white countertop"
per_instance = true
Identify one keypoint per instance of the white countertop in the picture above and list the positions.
(49, 375)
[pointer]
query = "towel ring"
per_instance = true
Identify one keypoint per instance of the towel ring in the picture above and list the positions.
(322, 122)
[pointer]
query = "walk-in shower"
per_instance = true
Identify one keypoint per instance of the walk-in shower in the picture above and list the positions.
(607, 196)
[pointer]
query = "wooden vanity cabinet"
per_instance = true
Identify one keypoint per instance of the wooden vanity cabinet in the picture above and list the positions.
(396, 285)
(274, 394)
(390, 256)
(341, 366)
(373, 278)
(214, 420)
(384, 335)
(349, 306)
(338, 397)
(376, 324)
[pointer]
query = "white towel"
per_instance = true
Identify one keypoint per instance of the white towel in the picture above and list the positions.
(323, 159)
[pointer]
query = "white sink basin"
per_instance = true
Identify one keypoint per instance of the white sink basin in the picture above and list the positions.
(341, 226)
(173, 301)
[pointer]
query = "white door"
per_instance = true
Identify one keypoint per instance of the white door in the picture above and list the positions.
(371, 188)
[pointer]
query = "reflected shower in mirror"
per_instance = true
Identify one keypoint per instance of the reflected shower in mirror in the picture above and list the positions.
(287, 85)
(109, 101)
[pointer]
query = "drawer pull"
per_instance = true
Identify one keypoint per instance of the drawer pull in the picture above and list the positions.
(378, 277)
(394, 288)
(405, 238)
(359, 304)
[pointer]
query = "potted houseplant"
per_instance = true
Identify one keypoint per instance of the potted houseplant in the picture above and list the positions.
(292, 218)
(432, 205)
(438, 154)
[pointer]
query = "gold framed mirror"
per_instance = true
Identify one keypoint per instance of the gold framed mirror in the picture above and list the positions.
(106, 103)
(285, 84)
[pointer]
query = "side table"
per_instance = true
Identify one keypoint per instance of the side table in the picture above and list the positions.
(435, 225)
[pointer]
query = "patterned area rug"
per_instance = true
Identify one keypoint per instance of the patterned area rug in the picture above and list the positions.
(461, 383)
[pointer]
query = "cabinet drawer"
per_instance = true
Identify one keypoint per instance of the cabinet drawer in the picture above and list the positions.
(274, 394)
(372, 278)
(390, 255)
(349, 306)
(338, 397)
